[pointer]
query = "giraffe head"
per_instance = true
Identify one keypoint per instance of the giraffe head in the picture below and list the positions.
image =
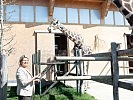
(54, 25)
(86, 49)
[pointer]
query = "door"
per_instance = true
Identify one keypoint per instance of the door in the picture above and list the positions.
(61, 50)
(129, 46)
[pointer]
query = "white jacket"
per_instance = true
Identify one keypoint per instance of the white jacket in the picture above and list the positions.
(23, 87)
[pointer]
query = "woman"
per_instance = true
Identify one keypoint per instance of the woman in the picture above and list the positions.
(25, 81)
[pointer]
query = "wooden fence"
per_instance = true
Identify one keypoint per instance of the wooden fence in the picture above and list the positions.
(114, 56)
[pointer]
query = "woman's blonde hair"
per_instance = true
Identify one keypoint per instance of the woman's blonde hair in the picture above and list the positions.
(21, 59)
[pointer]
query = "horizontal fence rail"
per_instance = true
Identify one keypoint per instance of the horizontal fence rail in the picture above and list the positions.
(66, 58)
(89, 77)
(126, 52)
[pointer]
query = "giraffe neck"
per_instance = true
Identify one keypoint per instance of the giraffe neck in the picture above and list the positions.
(126, 8)
(128, 4)
(76, 38)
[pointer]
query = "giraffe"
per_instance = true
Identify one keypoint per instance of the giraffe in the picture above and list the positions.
(126, 9)
(78, 44)
(74, 37)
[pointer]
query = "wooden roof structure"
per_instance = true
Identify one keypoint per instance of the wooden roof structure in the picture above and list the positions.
(103, 5)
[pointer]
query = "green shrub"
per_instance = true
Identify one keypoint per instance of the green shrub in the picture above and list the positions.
(11, 91)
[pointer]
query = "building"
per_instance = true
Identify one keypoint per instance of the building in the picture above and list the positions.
(98, 21)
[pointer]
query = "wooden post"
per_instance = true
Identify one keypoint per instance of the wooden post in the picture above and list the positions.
(3, 78)
(77, 68)
(33, 63)
(81, 73)
(39, 65)
(36, 46)
(115, 71)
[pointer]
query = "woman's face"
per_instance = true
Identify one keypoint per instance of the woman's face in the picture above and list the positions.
(25, 62)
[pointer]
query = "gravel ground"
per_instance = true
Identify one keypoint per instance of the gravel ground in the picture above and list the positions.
(102, 91)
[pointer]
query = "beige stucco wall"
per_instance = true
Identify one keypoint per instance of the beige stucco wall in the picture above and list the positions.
(100, 38)
(102, 43)
(97, 37)
(25, 44)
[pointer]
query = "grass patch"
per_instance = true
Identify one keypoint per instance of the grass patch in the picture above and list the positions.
(11, 93)
(58, 92)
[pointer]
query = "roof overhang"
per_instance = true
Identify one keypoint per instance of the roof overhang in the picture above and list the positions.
(104, 5)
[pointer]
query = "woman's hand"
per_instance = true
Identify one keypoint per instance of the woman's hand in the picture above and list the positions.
(36, 78)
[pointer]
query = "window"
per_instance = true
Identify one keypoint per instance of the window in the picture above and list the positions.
(12, 13)
(27, 14)
(119, 20)
(60, 14)
(84, 16)
(72, 15)
(109, 19)
(95, 16)
(41, 14)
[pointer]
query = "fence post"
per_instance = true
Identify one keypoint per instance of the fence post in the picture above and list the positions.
(33, 64)
(3, 78)
(81, 85)
(115, 70)
(39, 65)
(77, 69)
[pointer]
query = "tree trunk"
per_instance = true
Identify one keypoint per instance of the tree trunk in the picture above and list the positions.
(3, 77)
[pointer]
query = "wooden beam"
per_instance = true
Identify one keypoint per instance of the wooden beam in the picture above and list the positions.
(104, 8)
(62, 78)
(46, 31)
(126, 52)
(89, 77)
(90, 0)
(126, 85)
(51, 7)
(66, 58)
